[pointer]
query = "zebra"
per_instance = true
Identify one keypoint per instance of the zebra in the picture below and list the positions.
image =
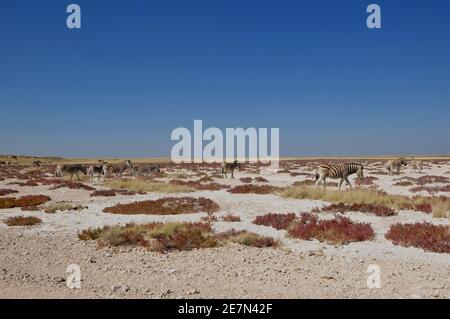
(416, 164)
(395, 165)
(72, 169)
(117, 169)
(342, 171)
(94, 170)
(36, 163)
(144, 170)
(13, 157)
(229, 167)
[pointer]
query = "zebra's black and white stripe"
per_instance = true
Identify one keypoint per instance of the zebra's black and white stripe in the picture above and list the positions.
(144, 170)
(229, 167)
(416, 165)
(342, 171)
(116, 169)
(72, 169)
(95, 170)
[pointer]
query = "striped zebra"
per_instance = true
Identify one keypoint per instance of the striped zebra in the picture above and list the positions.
(229, 167)
(144, 170)
(72, 169)
(416, 165)
(116, 169)
(394, 165)
(342, 171)
(95, 170)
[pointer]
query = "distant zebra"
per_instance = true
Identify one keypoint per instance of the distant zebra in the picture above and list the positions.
(72, 169)
(144, 170)
(342, 171)
(116, 169)
(416, 165)
(36, 163)
(16, 159)
(395, 165)
(95, 170)
(229, 167)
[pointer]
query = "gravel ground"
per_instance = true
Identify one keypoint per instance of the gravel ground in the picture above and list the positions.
(33, 260)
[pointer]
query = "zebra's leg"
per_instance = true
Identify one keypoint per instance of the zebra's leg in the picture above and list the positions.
(71, 176)
(348, 182)
(78, 177)
(340, 183)
(319, 180)
(232, 173)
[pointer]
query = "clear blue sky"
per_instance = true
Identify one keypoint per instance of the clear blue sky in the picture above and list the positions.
(138, 69)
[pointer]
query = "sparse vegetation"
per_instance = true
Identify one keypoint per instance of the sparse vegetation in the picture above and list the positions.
(429, 237)
(379, 210)
(362, 196)
(171, 236)
(340, 230)
(254, 189)
(166, 206)
(24, 201)
(231, 218)
(145, 185)
(22, 221)
(277, 221)
(4, 192)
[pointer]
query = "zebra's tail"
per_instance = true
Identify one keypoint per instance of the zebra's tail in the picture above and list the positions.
(317, 175)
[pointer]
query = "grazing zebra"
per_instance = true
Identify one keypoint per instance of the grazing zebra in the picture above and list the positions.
(342, 171)
(36, 163)
(416, 165)
(72, 169)
(395, 165)
(116, 169)
(229, 167)
(95, 170)
(144, 170)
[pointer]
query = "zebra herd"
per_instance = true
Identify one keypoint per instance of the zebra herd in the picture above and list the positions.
(105, 169)
(343, 171)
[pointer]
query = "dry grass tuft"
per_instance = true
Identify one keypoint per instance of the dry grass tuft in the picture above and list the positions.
(340, 230)
(441, 210)
(363, 196)
(427, 236)
(166, 206)
(22, 221)
(144, 185)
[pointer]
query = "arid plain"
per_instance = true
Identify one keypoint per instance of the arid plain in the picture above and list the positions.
(189, 232)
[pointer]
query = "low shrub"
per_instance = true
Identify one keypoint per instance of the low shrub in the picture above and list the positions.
(166, 206)
(4, 192)
(171, 236)
(254, 189)
(22, 221)
(142, 185)
(425, 235)
(29, 200)
(340, 230)
(379, 210)
(231, 218)
(277, 221)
